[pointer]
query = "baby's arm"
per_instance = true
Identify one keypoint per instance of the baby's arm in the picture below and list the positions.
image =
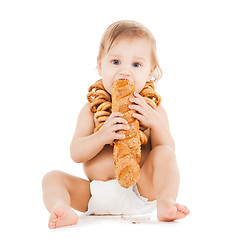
(85, 144)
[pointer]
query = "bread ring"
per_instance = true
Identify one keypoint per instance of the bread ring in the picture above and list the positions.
(102, 113)
(102, 119)
(103, 94)
(143, 138)
(150, 102)
(98, 127)
(90, 97)
(150, 84)
(97, 85)
(148, 91)
(95, 104)
(104, 106)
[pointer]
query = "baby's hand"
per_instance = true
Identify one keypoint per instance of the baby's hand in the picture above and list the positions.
(144, 113)
(114, 123)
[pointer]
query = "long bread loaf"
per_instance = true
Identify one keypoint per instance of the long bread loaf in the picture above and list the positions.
(127, 151)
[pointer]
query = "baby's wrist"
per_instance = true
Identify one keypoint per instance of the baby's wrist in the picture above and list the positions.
(100, 137)
(156, 122)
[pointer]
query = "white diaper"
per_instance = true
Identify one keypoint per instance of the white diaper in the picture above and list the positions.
(110, 198)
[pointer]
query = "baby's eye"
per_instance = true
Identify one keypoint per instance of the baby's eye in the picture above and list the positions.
(115, 62)
(136, 64)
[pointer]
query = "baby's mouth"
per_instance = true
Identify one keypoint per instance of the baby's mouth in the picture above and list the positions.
(122, 79)
(122, 84)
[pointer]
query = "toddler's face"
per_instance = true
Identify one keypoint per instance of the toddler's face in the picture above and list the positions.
(127, 59)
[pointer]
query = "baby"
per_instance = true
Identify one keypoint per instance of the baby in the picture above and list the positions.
(127, 51)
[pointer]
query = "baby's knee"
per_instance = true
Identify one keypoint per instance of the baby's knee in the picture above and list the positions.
(164, 150)
(163, 153)
(51, 176)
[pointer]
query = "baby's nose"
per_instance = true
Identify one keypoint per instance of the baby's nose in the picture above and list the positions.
(125, 72)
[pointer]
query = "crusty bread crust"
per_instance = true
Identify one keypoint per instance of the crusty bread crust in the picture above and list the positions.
(127, 151)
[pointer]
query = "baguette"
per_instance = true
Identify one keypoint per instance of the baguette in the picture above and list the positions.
(127, 151)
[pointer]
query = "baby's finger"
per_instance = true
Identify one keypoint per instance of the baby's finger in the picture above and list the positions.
(135, 100)
(119, 136)
(117, 127)
(117, 114)
(119, 120)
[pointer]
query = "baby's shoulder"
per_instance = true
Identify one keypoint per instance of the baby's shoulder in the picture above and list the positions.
(85, 110)
(85, 122)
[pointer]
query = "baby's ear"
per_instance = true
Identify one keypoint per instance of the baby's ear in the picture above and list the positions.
(152, 72)
(99, 66)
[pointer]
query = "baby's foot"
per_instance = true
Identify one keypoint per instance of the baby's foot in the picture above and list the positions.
(62, 216)
(168, 210)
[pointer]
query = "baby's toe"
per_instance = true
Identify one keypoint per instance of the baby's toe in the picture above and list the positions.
(187, 211)
(54, 220)
(180, 207)
(53, 216)
(52, 225)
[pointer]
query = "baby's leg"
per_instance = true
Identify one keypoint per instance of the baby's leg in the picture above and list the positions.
(159, 180)
(61, 193)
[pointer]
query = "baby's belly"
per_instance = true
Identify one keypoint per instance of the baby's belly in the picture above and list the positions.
(101, 167)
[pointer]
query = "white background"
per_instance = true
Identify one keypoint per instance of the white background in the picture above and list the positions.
(48, 53)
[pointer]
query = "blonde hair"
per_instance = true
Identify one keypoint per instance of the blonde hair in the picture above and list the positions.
(130, 29)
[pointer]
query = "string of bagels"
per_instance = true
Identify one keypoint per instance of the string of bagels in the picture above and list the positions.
(101, 104)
